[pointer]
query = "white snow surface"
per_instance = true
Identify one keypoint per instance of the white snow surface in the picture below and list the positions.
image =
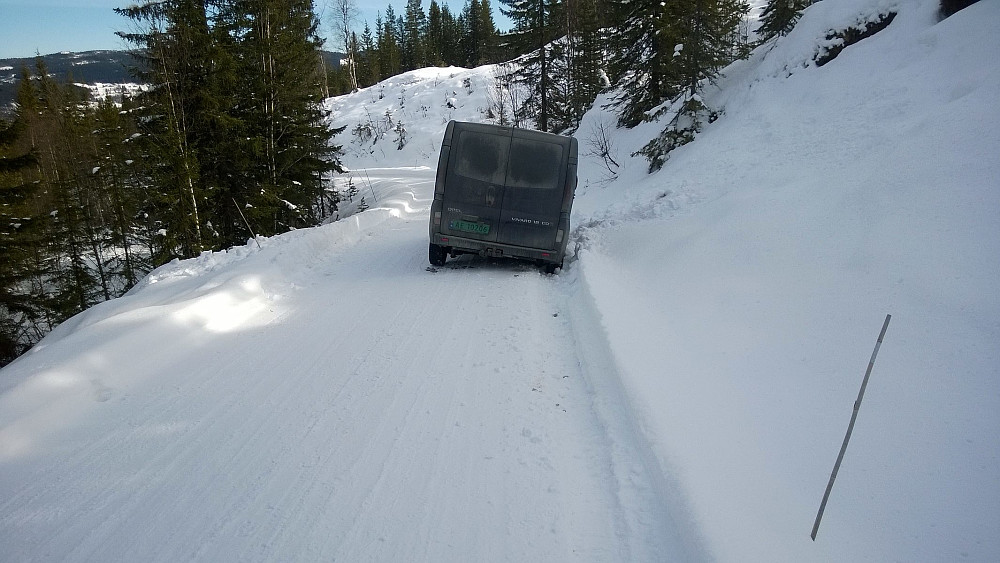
(678, 392)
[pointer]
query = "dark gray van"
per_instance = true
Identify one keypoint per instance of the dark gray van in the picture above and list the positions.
(502, 191)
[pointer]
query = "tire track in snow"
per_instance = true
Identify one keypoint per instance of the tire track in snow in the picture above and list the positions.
(652, 519)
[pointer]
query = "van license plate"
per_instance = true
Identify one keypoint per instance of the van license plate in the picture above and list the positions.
(478, 228)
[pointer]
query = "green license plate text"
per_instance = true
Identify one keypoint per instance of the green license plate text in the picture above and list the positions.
(478, 228)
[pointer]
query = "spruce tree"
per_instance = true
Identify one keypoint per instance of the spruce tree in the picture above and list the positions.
(228, 151)
(290, 142)
(702, 36)
(390, 57)
(19, 231)
(122, 191)
(536, 24)
(451, 38)
(175, 56)
(479, 36)
(576, 65)
(488, 35)
(779, 17)
(415, 23)
(28, 212)
(435, 34)
(702, 33)
(640, 60)
(73, 259)
(368, 64)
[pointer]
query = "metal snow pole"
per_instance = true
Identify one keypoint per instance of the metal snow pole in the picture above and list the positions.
(370, 186)
(247, 223)
(850, 428)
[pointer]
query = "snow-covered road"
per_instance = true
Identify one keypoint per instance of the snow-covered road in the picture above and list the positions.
(335, 400)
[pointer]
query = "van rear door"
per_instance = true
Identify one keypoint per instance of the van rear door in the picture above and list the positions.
(475, 184)
(533, 196)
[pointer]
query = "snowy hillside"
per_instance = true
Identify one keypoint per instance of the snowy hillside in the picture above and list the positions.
(678, 392)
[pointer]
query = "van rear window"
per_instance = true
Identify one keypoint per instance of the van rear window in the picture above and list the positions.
(481, 156)
(534, 164)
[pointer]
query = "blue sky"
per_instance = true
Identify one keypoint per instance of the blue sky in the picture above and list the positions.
(50, 26)
(28, 27)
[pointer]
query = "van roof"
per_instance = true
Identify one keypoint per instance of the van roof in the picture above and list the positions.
(516, 132)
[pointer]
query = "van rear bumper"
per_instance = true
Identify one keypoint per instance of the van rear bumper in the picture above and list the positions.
(462, 245)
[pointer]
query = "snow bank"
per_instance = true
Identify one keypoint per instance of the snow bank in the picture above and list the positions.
(743, 287)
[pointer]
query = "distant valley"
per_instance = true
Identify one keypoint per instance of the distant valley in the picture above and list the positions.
(101, 70)
(90, 67)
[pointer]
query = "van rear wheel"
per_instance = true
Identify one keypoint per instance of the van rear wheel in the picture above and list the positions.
(437, 254)
(551, 268)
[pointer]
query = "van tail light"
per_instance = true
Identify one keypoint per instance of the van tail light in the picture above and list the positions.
(559, 236)
(437, 218)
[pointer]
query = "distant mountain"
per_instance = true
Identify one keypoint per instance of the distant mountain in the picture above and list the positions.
(89, 67)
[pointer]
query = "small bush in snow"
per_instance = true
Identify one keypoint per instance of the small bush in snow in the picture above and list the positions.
(364, 132)
(679, 131)
(602, 147)
(400, 135)
(352, 189)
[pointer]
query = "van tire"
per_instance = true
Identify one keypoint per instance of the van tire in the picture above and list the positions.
(437, 255)
(551, 268)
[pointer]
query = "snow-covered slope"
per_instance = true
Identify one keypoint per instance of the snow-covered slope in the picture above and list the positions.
(678, 392)
(744, 311)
